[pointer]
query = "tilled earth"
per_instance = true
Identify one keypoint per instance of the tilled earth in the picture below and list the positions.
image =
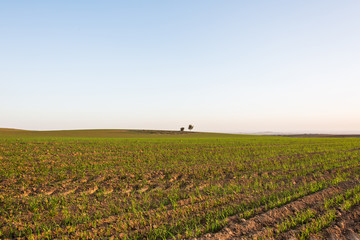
(264, 226)
(234, 188)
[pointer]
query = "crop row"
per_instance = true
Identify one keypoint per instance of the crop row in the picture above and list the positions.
(159, 188)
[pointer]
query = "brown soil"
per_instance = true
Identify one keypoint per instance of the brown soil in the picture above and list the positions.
(347, 226)
(263, 226)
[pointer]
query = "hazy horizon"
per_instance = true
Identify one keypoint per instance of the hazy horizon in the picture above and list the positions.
(209, 131)
(233, 66)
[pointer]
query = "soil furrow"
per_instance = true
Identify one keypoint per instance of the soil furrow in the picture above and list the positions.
(263, 225)
(346, 226)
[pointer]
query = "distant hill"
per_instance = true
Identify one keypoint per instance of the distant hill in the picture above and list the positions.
(320, 135)
(107, 133)
(10, 130)
(303, 135)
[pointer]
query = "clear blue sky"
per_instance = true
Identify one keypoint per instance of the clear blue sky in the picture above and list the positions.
(220, 65)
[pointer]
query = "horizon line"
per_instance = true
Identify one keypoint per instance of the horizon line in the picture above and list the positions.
(270, 132)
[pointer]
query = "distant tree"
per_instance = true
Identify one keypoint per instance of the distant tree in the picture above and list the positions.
(182, 129)
(190, 127)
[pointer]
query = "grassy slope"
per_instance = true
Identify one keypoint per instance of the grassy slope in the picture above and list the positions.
(54, 184)
(108, 133)
(159, 188)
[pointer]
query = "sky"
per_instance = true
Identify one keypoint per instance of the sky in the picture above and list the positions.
(231, 66)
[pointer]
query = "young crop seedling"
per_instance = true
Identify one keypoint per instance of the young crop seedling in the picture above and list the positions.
(169, 187)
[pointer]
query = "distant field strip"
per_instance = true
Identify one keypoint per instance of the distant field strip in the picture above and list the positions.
(177, 187)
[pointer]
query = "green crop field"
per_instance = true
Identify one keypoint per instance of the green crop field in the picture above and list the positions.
(123, 184)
